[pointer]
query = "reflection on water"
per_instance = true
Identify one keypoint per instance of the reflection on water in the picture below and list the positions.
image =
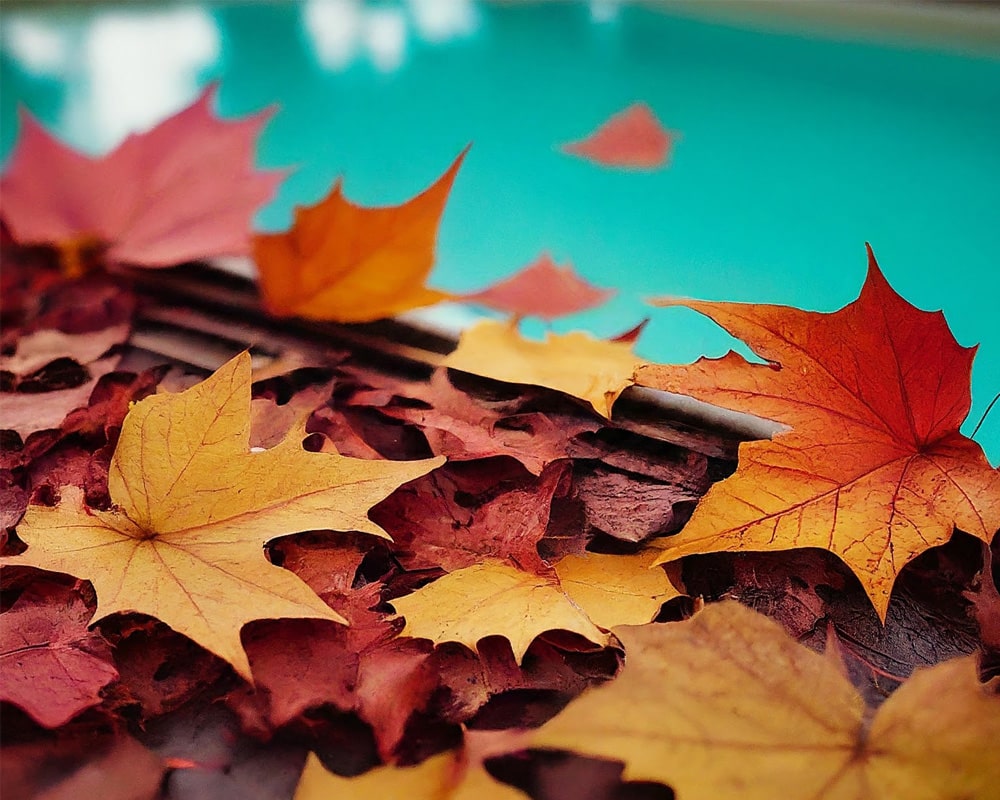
(795, 150)
(340, 31)
(125, 71)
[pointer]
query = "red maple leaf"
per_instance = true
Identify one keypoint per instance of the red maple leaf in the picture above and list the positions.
(873, 466)
(632, 139)
(53, 667)
(542, 289)
(184, 190)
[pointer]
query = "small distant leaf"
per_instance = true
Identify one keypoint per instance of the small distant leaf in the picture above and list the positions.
(631, 139)
(346, 263)
(542, 289)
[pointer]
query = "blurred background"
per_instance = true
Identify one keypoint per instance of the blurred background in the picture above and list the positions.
(806, 129)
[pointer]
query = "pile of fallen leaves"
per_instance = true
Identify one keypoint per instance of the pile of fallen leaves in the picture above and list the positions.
(349, 571)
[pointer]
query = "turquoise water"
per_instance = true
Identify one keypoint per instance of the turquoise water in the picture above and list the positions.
(794, 151)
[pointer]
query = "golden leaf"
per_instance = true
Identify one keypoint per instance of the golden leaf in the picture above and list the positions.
(455, 775)
(193, 510)
(616, 589)
(492, 599)
(594, 370)
(728, 705)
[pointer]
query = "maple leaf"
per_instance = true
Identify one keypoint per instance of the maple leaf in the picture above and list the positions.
(873, 468)
(193, 510)
(616, 589)
(575, 363)
(53, 667)
(454, 775)
(541, 289)
(184, 190)
(633, 139)
(346, 263)
(728, 688)
(492, 599)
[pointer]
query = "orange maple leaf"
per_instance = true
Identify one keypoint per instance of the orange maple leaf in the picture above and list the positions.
(346, 263)
(631, 139)
(873, 467)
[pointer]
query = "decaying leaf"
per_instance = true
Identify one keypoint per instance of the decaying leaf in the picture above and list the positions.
(492, 599)
(616, 589)
(631, 139)
(727, 705)
(184, 190)
(193, 509)
(430, 529)
(346, 263)
(53, 667)
(575, 363)
(541, 289)
(874, 467)
(456, 425)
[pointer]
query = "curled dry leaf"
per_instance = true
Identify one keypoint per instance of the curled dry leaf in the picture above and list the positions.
(492, 599)
(193, 509)
(182, 191)
(593, 370)
(542, 289)
(459, 427)
(874, 467)
(28, 412)
(727, 705)
(431, 529)
(631, 139)
(346, 263)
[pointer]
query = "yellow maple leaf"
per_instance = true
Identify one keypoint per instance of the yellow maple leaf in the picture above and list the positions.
(454, 775)
(193, 510)
(727, 705)
(616, 589)
(346, 263)
(594, 370)
(492, 599)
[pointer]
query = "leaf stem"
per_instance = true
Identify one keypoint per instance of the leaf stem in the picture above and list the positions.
(989, 408)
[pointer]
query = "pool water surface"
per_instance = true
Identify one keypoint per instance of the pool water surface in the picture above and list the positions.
(794, 150)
